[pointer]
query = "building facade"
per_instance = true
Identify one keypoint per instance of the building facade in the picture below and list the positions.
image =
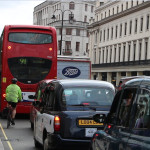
(119, 41)
(71, 20)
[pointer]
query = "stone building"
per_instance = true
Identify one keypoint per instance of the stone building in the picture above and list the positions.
(73, 33)
(119, 41)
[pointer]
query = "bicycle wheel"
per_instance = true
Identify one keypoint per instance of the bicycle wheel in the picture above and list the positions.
(8, 119)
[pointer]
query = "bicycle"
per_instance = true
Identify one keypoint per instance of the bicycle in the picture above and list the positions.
(9, 116)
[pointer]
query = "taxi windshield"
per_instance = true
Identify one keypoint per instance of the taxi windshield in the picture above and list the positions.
(87, 96)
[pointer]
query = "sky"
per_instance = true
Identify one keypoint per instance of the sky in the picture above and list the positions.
(17, 12)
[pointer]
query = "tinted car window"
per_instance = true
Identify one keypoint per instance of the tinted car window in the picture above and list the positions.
(127, 99)
(86, 95)
(142, 116)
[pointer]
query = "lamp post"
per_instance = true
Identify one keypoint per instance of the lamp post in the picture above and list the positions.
(70, 18)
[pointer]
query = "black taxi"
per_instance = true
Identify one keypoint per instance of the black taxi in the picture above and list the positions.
(65, 116)
(128, 123)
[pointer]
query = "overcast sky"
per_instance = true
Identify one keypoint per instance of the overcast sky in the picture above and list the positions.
(17, 12)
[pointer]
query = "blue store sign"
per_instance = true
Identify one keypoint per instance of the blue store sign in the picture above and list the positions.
(71, 72)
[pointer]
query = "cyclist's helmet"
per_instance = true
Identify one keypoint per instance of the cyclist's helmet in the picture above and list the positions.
(14, 80)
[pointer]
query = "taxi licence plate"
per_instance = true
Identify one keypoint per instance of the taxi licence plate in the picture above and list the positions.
(87, 122)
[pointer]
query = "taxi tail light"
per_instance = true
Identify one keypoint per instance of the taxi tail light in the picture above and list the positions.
(56, 123)
(109, 126)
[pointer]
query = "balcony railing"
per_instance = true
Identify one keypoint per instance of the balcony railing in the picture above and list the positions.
(127, 63)
(67, 51)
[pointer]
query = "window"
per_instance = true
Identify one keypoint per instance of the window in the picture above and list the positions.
(110, 54)
(78, 32)
(147, 25)
(112, 33)
(140, 47)
(104, 35)
(92, 9)
(113, 11)
(95, 96)
(107, 34)
(116, 31)
(85, 18)
(71, 5)
(29, 70)
(30, 38)
(86, 7)
(131, 3)
(119, 53)
(87, 47)
(125, 29)
(115, 54)
(68, 31)
(71, 17)
(106, 54)
(136, 25)
(126, 106)
(117, 9)
(146, 48)
(141, 29)
(95, 38)
(120, 29)
(124, 49)
(142, 115)
(126, 5)
(68, 45)
(130, 27)
(59, 45)
(122, 7)
(77, 46)
(134, 54)
(100, 35)
(129, 49)
(99, 56)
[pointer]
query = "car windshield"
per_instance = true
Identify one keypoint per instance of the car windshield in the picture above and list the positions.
(87, 96)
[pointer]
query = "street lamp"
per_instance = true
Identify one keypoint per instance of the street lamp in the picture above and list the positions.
(70, 19)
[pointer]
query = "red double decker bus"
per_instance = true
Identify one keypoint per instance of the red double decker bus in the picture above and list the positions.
(28, 53)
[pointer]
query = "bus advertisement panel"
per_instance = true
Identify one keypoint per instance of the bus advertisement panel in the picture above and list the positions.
(28, 53)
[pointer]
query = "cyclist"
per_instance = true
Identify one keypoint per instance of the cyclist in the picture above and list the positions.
(13, 96)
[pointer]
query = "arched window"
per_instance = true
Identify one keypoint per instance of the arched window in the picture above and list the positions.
(71, 5)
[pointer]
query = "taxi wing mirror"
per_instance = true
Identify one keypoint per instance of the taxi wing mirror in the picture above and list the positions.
(99, 118)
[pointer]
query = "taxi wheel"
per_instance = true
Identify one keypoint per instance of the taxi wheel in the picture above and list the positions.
(45, 146)
(36, 143)
(32, 126)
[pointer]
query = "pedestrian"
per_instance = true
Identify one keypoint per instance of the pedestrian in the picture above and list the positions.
(13, 96)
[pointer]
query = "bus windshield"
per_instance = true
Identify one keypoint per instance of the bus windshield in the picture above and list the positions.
(30, 38)
(29, 70)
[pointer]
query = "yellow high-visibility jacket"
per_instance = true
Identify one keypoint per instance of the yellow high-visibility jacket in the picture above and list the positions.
(13, 93)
